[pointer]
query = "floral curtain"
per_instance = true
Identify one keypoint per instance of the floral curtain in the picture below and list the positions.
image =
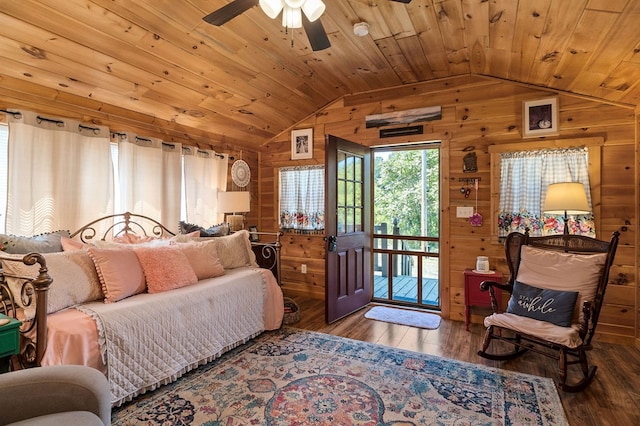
(524, 178)
(302, 198)
(60, 174)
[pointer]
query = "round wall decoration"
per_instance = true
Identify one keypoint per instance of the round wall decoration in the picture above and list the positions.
(240, 173)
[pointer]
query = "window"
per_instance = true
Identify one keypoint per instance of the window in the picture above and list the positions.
(4, 139)
(104, 174)
(523, 171)
(302, 198)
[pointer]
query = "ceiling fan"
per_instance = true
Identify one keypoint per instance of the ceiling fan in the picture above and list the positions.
(290, 10)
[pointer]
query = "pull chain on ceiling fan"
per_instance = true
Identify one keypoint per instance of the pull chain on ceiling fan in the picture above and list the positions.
(295, 14)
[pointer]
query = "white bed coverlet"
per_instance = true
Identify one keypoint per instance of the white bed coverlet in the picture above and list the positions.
(152, 339)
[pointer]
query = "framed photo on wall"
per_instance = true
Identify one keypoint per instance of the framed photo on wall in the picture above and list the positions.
(540, 118)
(301, 144)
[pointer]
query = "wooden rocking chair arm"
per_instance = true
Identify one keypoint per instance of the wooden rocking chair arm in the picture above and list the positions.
(490, 286)
(586, 323)
(485, 285)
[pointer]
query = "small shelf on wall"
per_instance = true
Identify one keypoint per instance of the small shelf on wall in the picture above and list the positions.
(469, 180)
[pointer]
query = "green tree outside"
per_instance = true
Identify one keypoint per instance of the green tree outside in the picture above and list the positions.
(407, 191)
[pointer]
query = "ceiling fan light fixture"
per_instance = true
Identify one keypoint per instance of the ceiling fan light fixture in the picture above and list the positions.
(271, 8)
(291, 17)
(295, 4)
(313, 9)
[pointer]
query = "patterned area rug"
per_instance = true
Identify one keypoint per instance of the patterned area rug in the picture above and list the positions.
(293, 377)
(404, 317)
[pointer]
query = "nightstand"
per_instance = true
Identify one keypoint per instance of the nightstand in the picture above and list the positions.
(473, 296)
(9, 341)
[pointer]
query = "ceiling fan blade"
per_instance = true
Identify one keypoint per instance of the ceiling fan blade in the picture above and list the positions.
(316, 34)
(230, 11)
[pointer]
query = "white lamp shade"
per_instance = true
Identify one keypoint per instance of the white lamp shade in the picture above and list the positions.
(291, 18)
(271, 8)
(566, 197)
(234, 202)
(313, 9)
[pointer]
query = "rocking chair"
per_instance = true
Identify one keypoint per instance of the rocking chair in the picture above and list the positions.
(557, 285)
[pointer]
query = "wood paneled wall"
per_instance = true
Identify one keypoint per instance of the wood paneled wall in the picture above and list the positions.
(476, 113)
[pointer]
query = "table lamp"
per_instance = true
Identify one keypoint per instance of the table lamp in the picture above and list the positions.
(566, 198)
(236, 203)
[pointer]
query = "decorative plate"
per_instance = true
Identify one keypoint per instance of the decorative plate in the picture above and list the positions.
(240, 173)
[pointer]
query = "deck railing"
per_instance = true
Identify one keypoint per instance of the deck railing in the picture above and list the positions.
(396, 255)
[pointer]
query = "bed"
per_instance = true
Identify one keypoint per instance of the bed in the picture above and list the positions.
(139, 303)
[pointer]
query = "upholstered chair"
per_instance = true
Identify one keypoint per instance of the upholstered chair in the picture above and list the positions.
(66, 395)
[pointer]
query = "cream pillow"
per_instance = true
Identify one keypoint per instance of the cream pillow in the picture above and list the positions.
(119, 271)
(233, 250)
(75, 280)
(203, 258)
(561, 271)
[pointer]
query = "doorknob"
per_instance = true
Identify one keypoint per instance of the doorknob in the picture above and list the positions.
(332, 243)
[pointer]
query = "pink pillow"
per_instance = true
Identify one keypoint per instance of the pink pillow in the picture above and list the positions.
(119, 271)
(70, 245)
(185, 238)
(203, 258)
(165, 268)
(128, 238)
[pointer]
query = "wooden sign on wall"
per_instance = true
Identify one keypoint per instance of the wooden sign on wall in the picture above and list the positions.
(404, 117)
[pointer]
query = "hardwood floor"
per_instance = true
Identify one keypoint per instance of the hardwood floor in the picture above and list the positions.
(612, 399)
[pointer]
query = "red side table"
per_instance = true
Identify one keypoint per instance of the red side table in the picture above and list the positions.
(472, 294)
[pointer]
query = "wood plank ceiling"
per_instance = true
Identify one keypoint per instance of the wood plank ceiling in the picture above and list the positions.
(157, 61)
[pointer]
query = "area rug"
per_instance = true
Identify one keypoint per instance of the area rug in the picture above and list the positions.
(404, 317)
(294, 377)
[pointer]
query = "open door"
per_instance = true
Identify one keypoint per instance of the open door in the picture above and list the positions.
(347, 216)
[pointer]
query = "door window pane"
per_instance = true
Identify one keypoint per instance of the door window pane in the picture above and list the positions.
(349, 193)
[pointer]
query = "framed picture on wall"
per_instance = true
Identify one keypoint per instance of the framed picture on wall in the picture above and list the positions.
(540, 118)
(301, 144)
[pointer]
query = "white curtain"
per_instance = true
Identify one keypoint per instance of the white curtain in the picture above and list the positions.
(60, 174)
(205, 174)
(149, 172)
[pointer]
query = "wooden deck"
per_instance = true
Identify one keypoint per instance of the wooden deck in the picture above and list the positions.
(405, 289)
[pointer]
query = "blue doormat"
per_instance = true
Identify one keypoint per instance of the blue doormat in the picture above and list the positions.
(404, 317)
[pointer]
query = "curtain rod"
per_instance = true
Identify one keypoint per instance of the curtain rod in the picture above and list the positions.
(95, 130)
(15, 114)
(58, 123)
(200, 151)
